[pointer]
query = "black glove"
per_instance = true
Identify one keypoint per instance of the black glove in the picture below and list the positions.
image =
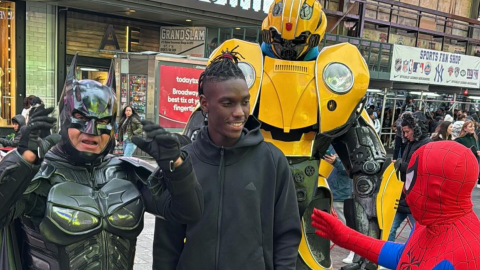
(162, 145)
(39, 120)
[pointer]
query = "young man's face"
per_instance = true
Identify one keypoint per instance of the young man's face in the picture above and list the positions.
(408, 133)
(228, 106)
(15, 126)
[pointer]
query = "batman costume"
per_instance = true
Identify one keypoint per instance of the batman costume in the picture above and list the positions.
(74, 209)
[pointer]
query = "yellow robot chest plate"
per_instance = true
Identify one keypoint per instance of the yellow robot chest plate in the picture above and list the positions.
(288, 96)
(294, 95)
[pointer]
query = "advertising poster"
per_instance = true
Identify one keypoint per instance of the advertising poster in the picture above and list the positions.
(424, 66)
(178, 95)
(183, 40)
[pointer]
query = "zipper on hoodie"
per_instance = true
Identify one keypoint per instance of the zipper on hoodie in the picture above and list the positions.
(221, 175)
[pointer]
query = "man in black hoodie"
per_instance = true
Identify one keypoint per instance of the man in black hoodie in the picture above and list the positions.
(415, 133)
(251, 218)
(18, 121)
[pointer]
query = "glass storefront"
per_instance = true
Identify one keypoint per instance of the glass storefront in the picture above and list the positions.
(40, 52)
(7, 62)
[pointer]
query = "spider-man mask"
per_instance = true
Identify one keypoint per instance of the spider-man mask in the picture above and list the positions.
(439, 182)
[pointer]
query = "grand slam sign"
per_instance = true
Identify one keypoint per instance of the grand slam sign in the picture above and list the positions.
(183, 40)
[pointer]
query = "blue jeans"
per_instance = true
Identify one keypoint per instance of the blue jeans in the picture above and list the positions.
(128, 148)
(397, 221)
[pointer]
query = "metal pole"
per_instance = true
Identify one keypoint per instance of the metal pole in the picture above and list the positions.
(454, 103)
(421, 101)
(383, 110)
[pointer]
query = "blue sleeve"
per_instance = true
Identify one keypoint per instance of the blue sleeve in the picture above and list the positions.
(444, 265)
(390, 255)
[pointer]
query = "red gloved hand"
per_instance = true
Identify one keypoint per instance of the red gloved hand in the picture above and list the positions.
(333, 229)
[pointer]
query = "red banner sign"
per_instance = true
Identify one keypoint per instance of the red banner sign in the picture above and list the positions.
(178, 95)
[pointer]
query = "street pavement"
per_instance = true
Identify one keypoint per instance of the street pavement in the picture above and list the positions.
(143, 258)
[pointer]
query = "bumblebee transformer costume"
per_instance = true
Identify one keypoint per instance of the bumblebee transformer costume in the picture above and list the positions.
(80, 210)
(307, 100)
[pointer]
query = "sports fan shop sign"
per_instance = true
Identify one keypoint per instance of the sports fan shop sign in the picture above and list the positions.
(183, 40)
(417, 65)
(178, 95)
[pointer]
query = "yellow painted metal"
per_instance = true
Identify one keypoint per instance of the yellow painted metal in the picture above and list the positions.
(367, 118)
(324, 169)
(348, 55)
(300, 148)
(288, 96)
(387, 200)
(253, 55)
(306, 255)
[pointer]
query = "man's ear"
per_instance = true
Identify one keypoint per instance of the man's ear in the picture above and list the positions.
(203, 103)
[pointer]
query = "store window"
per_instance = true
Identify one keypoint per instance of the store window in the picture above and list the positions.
(7, 62)
(40, 52)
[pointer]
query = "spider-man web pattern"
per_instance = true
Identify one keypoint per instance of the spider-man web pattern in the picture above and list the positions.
(439, 184)
(440, 180)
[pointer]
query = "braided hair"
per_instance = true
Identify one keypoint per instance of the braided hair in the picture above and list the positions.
(222, 68)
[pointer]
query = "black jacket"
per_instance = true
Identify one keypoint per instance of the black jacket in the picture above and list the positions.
(18, 134)
(469, 141)
(420, 138)
(251, 218)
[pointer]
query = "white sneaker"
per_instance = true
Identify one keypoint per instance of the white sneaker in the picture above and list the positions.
(478, 185)
(381, 267)
(349, 258)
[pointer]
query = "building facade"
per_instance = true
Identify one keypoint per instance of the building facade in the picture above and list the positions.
(38, 39)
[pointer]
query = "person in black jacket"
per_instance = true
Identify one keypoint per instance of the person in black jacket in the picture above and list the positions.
(18, 121)
(415, 133)
(251, 218)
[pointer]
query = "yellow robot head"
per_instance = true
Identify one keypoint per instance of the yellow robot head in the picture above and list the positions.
(293, 27)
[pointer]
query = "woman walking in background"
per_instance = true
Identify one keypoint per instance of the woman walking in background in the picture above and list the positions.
(27, 104)
(129, 126)
(443, 132)
(469, 139)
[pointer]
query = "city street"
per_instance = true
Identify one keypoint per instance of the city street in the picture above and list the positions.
(143, 258)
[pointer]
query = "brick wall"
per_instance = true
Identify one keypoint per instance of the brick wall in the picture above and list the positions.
(39, 75)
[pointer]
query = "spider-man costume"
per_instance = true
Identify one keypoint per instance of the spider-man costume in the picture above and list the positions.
(439, 184)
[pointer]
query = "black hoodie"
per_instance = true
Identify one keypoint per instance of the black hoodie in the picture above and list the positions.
(18, 134)
(251, 218)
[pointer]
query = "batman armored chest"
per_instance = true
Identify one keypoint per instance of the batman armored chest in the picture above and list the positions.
(91, 220)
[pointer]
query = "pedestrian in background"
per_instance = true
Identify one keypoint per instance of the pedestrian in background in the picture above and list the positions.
(469, 139)
(27, 103)
(129, 126)
(457, 125)
(342, 188)
(399, 144)
(376, 122)
(443, 132)
(415, 132)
